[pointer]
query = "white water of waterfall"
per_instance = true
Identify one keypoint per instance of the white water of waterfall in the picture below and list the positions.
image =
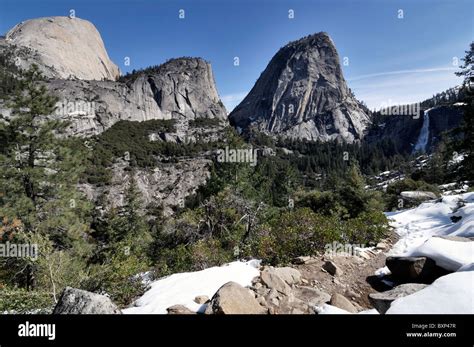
(422, 141)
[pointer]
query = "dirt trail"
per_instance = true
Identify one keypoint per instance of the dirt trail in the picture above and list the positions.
(357, 279)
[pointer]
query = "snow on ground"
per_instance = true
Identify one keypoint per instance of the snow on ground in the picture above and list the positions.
(415, 226)
(182, 288)
(449, 255)
(418, 228)
(329, 309)
(450, 294)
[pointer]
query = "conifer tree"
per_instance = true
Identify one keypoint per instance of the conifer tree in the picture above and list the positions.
(39, 174)
(467, 71)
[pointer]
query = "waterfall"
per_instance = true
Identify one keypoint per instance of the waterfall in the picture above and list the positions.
(422, 141)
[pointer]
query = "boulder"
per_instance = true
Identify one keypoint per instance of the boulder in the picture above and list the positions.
(292, 305)
(414, 269)
(273, 281)
(77, 301)
(455, 219)
(288, 274)
(306, 259)
(179, 309)
(343, 303)
(382, 301)
(201, 299)
(418, 195)
(332, 268)
(312, 296)
(232, 298)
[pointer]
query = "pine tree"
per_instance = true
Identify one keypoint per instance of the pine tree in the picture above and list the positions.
(39, 174)
(467, 70)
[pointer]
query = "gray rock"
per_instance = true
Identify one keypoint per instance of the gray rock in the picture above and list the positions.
(201, 299)
(302, 260)
(382, 301)
(288, 274)
(179, 309)
(292, 305)
(273, 281)
(63, 47)
(168, 184)
(414, 269)
(343, 303)
(332, 268)
(272, 294)
(312, 296)
(261, 300)
(77, 301)
(418, 195)
(302, 94)
(351, 294)
(181, 89)
(232, 298)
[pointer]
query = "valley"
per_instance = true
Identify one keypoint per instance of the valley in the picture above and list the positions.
(146, 195)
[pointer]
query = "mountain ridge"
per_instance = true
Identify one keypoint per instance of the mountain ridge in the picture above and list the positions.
(302, 94)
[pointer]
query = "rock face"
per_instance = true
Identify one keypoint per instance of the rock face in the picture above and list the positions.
(168, 184)
(302, 94)
(77, 301)
(92, 97)
(64, 47)
(232, 298)
(182, 89)
(382, 301)
(404, 130)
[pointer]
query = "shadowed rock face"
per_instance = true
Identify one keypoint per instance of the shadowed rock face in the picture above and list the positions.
(302, 94)
(64, 47)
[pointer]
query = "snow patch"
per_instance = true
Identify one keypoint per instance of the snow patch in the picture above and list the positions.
(450, 294)
(329, 309)
(182, 288)
(450, 255)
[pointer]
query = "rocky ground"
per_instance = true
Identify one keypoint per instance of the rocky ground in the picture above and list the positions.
(426, 267)
(354, 277)
(342, 281)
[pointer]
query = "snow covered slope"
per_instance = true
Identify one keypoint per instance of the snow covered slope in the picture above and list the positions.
(450, 294)
(415, 226)
(421, 233)
(182, 288)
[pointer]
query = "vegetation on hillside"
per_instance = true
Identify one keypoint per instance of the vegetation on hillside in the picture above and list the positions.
(298, 198)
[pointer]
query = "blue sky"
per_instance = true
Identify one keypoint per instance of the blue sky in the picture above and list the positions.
(391, 60)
